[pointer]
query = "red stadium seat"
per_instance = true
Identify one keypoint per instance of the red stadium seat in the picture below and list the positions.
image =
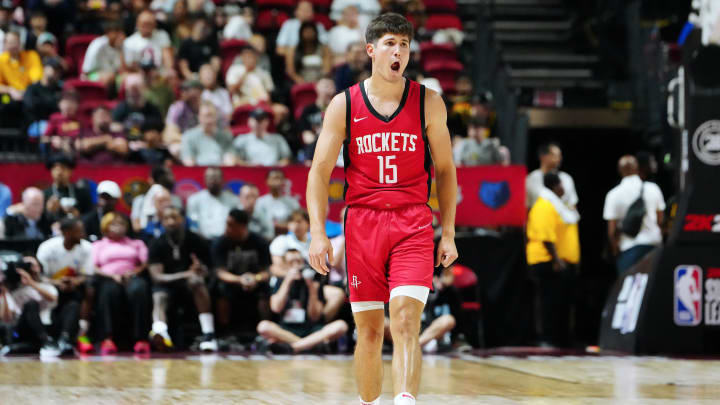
(442, 21)
(440, 6)
(89, 91)
(446, 72)
(75, 48)
(430, 53)
(324, 20)
(229, 49)
(302, 95)
(270, 20)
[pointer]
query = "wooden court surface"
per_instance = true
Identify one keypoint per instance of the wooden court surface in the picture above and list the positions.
(460, 379)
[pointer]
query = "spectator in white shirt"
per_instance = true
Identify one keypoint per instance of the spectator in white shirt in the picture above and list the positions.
(246, 82)
(550, 160)
(368, 9)
(629, 249)
(289, 34)
(260, 147)
(239, 26)
(209, 208)
(214, 93)
(345, 33)
(103, 58)
(276, 204)
(260, 221)
(148, 45)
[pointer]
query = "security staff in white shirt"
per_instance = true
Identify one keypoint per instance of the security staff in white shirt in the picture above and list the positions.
(550, 160)
(630, 250)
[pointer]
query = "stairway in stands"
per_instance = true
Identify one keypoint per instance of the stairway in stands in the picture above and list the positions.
(547, 58)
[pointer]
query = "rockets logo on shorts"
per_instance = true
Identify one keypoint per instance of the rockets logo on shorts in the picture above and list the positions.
(355, 282)
(688, 295)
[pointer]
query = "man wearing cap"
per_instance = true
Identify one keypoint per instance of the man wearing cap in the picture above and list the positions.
(103, 58)
(64, 126)
(47, 48)
(98, 144)
(182, 114)
(108, 193)
(207, 144)
(260, 147)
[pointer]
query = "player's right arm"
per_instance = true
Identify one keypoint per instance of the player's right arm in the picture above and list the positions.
(326, 153)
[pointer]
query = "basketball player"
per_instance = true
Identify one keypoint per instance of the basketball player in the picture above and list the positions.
(392, 130)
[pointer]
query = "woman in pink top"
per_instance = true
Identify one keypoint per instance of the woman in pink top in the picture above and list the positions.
(119, 263)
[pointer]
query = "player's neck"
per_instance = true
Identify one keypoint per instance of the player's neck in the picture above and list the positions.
(383, 89)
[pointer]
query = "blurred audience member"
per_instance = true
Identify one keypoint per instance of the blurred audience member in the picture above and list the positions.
(239, 26)
(478, 148)
(240, 262)
(276, 205)
(310, 122)
(64, 127)
(130, 114)
(182, 114)
(629, 245)
(289, 34)
(550, 160)
(199, 49)
(214, 93)
(66, 263)
(41, 99)
(178, 263)
(149, 45)
(151, 150)
(207, 144)
(99, 145)
(367, 10)
(47, 49)
(27, 219)
(310, 59)
(246, 81)
(208, 209)
(143, 206)
(63, 198)
(18, 70)
(259, 222)
(154, 228)
(38, 25)
(297, 301)
(553, 254)
(346, 32)
(260, 148)
(121, 289)
(108, 193)
(647, 165)
(356, 67)
(297, 238)
(104, 56)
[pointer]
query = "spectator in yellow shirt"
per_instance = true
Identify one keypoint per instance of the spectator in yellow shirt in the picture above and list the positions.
(18, 68)
(553, 253)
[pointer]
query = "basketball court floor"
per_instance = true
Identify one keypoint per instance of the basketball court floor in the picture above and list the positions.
(466, 379)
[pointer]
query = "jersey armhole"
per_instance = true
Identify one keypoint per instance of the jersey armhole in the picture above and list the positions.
(422, 111)
(346, 142)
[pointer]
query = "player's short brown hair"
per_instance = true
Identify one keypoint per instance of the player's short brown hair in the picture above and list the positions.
(388, 23)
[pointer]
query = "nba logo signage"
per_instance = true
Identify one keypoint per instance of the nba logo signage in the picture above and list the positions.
(688, 295)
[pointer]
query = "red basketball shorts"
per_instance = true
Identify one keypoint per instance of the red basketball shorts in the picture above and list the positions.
(385, 249)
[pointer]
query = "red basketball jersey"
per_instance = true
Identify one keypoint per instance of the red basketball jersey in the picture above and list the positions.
(387, 159)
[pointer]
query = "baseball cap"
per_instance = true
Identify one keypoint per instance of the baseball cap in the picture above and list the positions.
(259, 114)
(46, 37)
(110, 188)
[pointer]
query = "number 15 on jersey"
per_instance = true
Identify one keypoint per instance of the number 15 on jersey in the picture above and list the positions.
(387, 165)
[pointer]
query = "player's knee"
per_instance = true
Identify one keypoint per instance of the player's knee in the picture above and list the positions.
(371, 335)
(405, 322)
(264, 327)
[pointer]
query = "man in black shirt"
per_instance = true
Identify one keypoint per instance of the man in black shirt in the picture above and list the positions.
(240, 261)
(63, 198)
(297, 300)
(41, 98)
(201, 48)
(178, 269)
(130, 114)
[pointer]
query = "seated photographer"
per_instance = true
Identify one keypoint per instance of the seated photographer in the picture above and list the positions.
(25, 305)
(66, 263)
(121, 289)
(240, 262)
(437, 319)
(297, 300)
(178, 270)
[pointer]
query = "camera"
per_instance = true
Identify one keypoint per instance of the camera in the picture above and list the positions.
(10, 277)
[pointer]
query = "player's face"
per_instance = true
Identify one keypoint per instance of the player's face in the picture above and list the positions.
(390, 56)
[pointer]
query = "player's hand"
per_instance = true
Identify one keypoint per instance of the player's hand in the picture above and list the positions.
(321, 252)
(446, 252)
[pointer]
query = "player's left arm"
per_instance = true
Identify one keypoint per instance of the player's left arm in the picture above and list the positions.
(445, 176)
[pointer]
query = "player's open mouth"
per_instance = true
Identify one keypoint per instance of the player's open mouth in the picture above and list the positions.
(395, 66)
